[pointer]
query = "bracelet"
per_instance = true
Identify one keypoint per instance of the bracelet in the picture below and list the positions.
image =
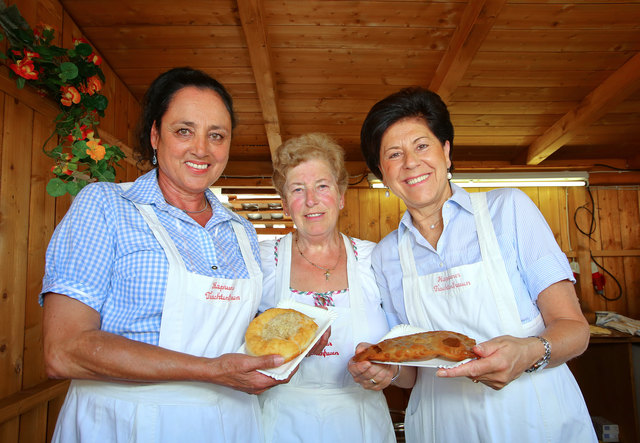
(540, 364)
(395, 377)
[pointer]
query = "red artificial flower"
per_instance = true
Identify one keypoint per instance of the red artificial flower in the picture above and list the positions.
(77, 41)
(94, 84)
(24, 68)
(95, 58)
(70, 95)
(30, 55)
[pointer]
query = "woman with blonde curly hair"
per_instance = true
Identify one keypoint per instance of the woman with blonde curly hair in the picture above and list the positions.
(319, 266)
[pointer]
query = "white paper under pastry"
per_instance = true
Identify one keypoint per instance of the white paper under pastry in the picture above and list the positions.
(323, 319)
(401, 330)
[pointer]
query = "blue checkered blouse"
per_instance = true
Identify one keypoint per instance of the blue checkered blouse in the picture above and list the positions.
(104, 254)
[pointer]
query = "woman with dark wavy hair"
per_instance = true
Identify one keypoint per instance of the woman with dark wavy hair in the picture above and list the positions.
(485, 265)
(150, 286)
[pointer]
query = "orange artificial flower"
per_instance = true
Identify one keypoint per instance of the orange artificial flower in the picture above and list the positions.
(24, 68)
(70, 95)
(94, 84)
(95, 150)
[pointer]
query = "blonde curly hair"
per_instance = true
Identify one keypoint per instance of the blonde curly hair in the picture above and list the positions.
(313, 146)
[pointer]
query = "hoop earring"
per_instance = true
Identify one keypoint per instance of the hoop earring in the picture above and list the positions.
(154, 160)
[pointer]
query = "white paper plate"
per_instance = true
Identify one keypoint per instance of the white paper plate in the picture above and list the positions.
(322, 317)
(399, 331)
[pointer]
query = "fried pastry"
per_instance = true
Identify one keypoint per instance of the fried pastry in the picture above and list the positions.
(280, 331)
(421, 346)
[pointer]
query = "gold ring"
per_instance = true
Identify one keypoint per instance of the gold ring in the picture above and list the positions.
(373, 381)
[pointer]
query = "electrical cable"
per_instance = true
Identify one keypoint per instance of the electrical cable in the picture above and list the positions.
(589, 234)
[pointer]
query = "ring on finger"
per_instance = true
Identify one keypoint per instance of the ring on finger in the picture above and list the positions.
(475, 381)
(373, 382)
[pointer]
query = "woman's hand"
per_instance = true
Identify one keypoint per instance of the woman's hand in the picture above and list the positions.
(239, 372)
(376, 377)
(501, 360)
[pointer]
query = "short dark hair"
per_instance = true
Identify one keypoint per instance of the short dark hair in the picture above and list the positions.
(159, 95)
(408, 102)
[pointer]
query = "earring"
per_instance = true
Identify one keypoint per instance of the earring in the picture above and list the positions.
(449, 176)
(386, 193)
(154, 160)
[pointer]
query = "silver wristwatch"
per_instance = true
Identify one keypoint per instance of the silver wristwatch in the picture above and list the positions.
(540, 364)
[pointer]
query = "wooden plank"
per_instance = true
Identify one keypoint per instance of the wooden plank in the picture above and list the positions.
(351, 13)
(20, 402)
(166, 36)
(588, 299)
(33, 425)
(477, 20)
(562, 40)
(547, 15)
(369, 209)
(41, 225)
(379, 37)
(251, 16)
(153, 12)
(609, 222)
(548, 205)
(167, 58)
(609, 93)
(53, 409)
(629, 203)
(14, 222)
(349, 221)
(389, 213)
(363, 59)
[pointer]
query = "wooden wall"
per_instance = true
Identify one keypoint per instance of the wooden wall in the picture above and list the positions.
(614, 243)
(29, 403)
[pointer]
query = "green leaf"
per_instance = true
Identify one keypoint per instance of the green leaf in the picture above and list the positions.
(20, 81)
(56, 187)
(101, 102)
(68, 71)
(79, 149)
(73, 187)
(84, 49)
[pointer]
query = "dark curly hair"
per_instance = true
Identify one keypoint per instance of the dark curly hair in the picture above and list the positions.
(408, 102)
(159, 95)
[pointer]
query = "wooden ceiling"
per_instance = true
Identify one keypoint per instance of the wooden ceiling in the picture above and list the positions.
(529, 83)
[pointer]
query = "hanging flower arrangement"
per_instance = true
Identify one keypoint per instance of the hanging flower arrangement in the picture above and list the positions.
(73, 79)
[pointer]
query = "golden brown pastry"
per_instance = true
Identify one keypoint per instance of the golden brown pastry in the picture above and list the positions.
(280, 331)
(422, 346)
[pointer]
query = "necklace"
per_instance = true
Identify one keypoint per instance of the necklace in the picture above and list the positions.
(191, 212)
(327, 271)
(433, 226)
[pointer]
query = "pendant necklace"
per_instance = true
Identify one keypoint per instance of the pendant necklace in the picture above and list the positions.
(191, 212)
(327, 271)
(433, 226)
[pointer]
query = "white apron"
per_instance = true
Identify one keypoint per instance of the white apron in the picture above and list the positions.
(313, 407)
(478, 300)
(202, 316)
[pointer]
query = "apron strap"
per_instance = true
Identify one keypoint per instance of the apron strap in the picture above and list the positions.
(360, 326)
(496, 271)
(283, 269)
(253, 268)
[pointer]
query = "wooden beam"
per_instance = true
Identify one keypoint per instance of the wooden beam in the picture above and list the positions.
(618, 86)
(23, 401)
(254, 30)
(476, 22)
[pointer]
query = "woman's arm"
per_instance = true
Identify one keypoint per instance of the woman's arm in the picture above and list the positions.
(503, 359)
(75, 347)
